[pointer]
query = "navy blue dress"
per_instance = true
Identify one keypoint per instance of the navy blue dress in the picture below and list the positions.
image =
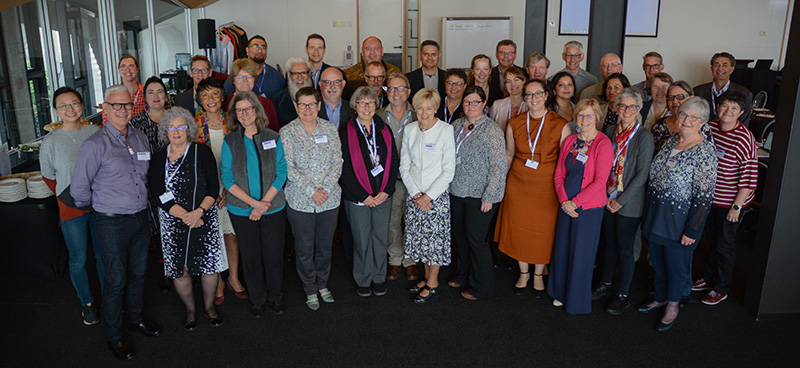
(575, 246)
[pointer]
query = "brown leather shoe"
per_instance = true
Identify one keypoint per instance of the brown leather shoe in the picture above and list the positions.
(411, 273)
(391, 273)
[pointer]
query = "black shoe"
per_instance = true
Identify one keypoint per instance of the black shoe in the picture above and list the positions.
(257, 310)
(618, 305)
(145, 328)
(120, 350)
(379, 289)
(278, 306)
(664, 327)
(602, 290)
(419, 299)
(165, 284)
(215, 321)
(644, 308)
(414, 289)
(190, 325)
(364, 291)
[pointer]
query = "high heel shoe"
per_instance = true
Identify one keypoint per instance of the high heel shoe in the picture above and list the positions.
(535, 290)
(414, 289)
(419, 299)
(521, 290)
(239, 294)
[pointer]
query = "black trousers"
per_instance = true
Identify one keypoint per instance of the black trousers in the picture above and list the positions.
(474, 258)
(261, 252)
(619, 233)
(721, 237)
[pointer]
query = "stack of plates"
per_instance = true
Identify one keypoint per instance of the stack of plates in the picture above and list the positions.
(12, 190)
(37, 188)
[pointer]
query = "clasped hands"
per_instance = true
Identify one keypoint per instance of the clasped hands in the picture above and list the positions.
(259, 208)
(376, 200)
(569, 208)
(423, 202)
(192, 219)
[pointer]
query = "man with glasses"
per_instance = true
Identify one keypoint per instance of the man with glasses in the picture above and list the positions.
(110, 176)
(374, 77)
(653, 64)
(371, 51)
(609, 64)
(398, 114)
(269, 81)
(573, 55)
(298, 73)
(722, 64)
(335, 109)
(200, 68)
(315, 50)
(506, 53)
(428, 75)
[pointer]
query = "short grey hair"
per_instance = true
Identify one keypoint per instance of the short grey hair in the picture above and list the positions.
(655, 55)
(536, 57)
(192, 130)
(363, 93)
(296, 60)
(631, 92)
(698, 104)
(574, 44)
(114, 88)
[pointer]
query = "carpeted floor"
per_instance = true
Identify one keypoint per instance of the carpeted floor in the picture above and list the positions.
(42, 328)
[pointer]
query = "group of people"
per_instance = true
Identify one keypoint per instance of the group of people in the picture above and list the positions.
(425, 167)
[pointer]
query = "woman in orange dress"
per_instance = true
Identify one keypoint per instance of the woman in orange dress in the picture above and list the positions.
(527, 218)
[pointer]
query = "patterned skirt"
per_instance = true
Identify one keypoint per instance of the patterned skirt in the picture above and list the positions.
(428, 232)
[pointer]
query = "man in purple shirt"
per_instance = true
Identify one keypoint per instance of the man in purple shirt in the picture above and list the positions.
(110, 176)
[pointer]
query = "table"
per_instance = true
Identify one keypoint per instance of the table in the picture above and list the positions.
(32, 243)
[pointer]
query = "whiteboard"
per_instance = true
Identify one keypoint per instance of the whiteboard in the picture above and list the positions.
(463, 38)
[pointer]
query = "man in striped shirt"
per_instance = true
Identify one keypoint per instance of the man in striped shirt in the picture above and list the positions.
(737, 174)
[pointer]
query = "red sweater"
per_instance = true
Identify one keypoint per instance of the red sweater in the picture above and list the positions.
(595, 172)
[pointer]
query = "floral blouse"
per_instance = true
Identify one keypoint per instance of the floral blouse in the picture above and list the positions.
(661, 133)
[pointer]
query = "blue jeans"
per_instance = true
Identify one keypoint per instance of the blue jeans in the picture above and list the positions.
(76, 233)
(123, 243)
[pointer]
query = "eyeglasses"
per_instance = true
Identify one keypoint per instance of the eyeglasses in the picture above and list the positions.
(680, 97)
(365, 103)
(651, 66)
(472, 103)
(129, 67)
(200, 70)
(449, 83)
(585, 116)
(400, 89)
(295, 74)
(628, 107)
(119, 106)
(690, 118)
(378, 78)
(306, 106)
(258, 47)
(328, 83)
(247, 110)
(178, 128)
(507, 53)
(609, 65)
(572, 56)
(530, 95)
(244, 77)
(73, 105)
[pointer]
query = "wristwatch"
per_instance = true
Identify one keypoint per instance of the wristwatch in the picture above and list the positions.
(736, 207)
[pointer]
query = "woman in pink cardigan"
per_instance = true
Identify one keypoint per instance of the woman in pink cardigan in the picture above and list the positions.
(582, 170)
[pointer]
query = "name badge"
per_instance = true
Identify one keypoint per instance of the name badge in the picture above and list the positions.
(582, 157)
(430, 147)
(720, 153)
(166, 197)
(270, 144)
(672, 162)
(143, 156)
(377, 170)
(532, 164)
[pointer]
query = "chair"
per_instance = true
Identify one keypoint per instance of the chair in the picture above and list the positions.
(760, 100)
(767, 131)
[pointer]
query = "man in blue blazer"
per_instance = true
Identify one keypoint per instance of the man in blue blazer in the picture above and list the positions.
(428, 75)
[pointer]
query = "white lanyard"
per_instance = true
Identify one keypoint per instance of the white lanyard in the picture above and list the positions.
(459, 141)
(627, 141)
(373, 148)
(446, 117)
(403, 125)
(168, 178)
(528, 126)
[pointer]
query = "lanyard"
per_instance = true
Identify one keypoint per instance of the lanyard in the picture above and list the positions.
(528, 126)
(459, 141)
(447, 117)
(635, 129)
(403, 125)
(371, 146)
(168, 178)
(715, 94)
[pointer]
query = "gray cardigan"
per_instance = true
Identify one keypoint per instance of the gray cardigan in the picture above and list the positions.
(637, 168)
(266, 161)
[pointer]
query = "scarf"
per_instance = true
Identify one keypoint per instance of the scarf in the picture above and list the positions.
(204, 137)
(360, 170)
(621, 150)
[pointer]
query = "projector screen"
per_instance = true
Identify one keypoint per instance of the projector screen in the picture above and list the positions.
(642, 18)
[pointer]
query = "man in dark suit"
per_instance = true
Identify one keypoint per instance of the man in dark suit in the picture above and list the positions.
(200, 68)
(428, 75)
(506, 52)
(334, 108)
(315, 49)
(722, 64)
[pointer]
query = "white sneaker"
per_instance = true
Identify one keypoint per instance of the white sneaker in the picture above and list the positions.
(557, 303)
